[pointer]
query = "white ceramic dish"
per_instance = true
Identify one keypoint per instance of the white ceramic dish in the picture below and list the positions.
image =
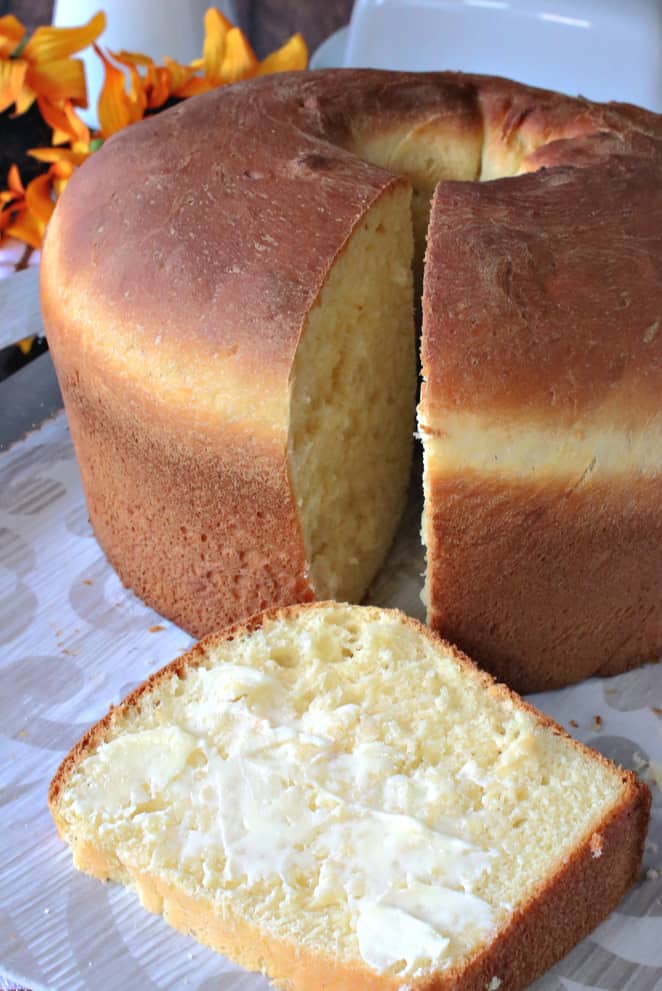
(603, 49)
(331, 53)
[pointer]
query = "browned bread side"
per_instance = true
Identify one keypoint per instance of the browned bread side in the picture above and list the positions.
(174, 336)
(542, 418)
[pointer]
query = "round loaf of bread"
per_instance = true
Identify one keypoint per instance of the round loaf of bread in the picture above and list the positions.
(227, 291)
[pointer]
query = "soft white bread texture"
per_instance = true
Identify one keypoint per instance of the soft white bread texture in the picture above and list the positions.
(333, 795)
(352, 418)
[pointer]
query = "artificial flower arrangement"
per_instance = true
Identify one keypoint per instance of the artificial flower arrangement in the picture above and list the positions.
(40, 70)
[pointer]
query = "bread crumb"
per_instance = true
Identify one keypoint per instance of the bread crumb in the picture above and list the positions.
(87, 581)
(650, 770)
(656, 710)
(156, 628)
(574, 723)
(651, 331)
(494, 984)
(597, 722)
(654, 773)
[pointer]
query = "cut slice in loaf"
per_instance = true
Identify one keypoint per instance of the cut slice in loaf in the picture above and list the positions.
(335, 796)
(351, 414)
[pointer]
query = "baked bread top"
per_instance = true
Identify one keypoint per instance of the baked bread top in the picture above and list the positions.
(237, 203)
(181, 273)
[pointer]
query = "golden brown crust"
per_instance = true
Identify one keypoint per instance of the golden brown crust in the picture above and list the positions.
(169, 295)
(546, 583)
(541, 312)
(175, 290)
(190, 499)
(566, 907)
(521, 119)
(173, 305)
(539, 292)
(193, 254)
(200, 523)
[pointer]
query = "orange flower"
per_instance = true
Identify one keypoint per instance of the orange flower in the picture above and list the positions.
(226, 53)
(26, 211)
(11, 199)
(117, 108)
(156, 84)
(290, 57)
(11, 35)
(42, 66)
(41, 69)
(227, 57)
(67, 128)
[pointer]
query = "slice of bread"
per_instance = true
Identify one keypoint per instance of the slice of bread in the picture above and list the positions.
(334, 796)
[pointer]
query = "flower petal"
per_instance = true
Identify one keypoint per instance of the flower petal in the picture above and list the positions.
(56, 119)
(217, 28)
(26, 97)
(67, 125)
(78, 128)
(291, 56)
(12, 77)
(194, 86)
(179, 74)
(239, 61)
(114, 108)
(11, 34)
(63, 79)
(14, 180)
(182, 79)
(50, 44)
(133, 58)
(39, 198)
(62, 170)
(137, 96)
(6, 215)
(158, 86)
(59, 155)
(60, 183)
(27, 228)
(6, 200)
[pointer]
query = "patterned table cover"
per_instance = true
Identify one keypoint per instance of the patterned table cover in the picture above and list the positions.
(73, 640)
(13, 256)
